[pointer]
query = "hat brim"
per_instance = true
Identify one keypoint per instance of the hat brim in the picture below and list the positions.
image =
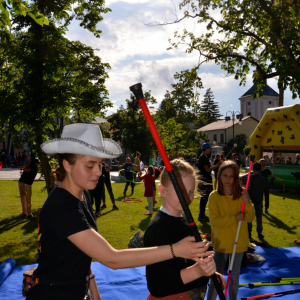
(68, 145)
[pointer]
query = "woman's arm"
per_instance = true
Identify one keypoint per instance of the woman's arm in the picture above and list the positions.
(95, 246)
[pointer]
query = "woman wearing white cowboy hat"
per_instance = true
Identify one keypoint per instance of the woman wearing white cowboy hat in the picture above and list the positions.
(67, 235)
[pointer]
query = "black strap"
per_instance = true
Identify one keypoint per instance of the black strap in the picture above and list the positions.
(54, 282)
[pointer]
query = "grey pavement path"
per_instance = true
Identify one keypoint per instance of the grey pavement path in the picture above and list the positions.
(14, 174)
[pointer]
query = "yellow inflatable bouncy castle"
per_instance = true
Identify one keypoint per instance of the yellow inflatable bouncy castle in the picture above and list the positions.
(280, 128)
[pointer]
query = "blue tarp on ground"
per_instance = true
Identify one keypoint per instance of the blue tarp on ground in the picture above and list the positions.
(131, 283)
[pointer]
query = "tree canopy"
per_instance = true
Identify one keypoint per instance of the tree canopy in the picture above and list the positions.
(180, 113)
(45, 77)
(210, 106)
(12, 8)
(240, 140)
(182, 102)
(130, 127)
(241, 34)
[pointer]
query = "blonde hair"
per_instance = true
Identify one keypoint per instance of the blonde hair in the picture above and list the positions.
(237, 189)
(180, 167)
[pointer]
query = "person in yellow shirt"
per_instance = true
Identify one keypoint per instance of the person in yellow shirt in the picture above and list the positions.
(224, 207)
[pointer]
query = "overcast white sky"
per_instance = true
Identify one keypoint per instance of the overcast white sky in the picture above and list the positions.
(138, 53)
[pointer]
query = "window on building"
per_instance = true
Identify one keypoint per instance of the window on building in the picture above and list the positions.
(222, 140)
(249, 113)
(249, 103)
(215, 138)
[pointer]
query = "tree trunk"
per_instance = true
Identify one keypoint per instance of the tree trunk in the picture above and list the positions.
(281, 92)
(46, 169)
(38, 75)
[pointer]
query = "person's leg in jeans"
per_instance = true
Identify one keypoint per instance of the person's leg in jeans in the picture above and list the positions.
(258, 207)
(235, 276)
(203, 202)
(23, 198)
(128, 179)
(110, 191)
(267, 201)
(98, 191)
(267, 195)
(150, 205)
(204, 188)
(28, 193)
(220, 261)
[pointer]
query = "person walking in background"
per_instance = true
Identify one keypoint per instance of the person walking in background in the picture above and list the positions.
(8, 160)
(137, 164)
(3, 158)
(224, 208)
(98, 193)
(216, 170)
(149, 180)
(204, 178)
(107, 182)
(236, 159)
(152, 160)
(297, 160)
(176, 278)
(258, 186)
(161, 163)
(157, 172)
(128, 166)
(266, 173)
(247, 161)
(222, 156)
(25, 187)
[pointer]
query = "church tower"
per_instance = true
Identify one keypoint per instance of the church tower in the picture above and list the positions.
(257, 107)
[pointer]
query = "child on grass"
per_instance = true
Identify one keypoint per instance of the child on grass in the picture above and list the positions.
(258, 186)
(128, 166)
(224, 208)
(176, 278)
(149, 180)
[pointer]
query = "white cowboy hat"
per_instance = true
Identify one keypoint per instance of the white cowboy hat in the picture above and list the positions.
(84, 139)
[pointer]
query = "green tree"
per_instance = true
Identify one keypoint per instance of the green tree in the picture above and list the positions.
(182, 102)
(241, 34)
(178, 138)
(240, 140)
(247, 150)
(130, 127)
(11, 8)
(209, 106)
(51, 77)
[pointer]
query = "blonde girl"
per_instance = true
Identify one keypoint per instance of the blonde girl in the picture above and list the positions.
(176, 278)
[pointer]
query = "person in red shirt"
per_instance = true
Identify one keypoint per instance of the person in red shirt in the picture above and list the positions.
(149, 180)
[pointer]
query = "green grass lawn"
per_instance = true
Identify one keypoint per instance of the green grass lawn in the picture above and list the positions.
(18, 236)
